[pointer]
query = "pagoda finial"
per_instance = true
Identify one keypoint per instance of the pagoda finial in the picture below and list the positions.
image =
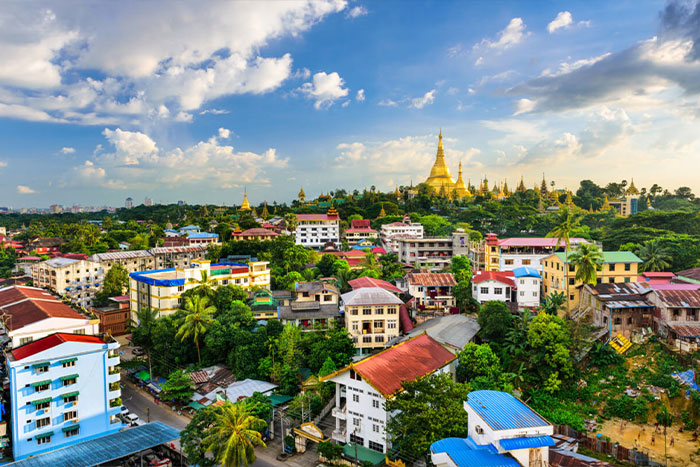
(245, 205)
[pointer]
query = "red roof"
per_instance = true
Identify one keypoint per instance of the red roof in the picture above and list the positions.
(27, 350)
(257, 232)
(430, 279)
(407, 361)
(686, 330)
(75, 256)
(405, 319)
(316, 217)
(505, 277)
(360, 223)
(361, 282)
(360, 230)
(377, 250)
(537, 241)
(26, 305)
(399, 223)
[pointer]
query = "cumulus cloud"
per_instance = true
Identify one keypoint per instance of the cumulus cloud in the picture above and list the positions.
(360, 97)
(67, 150)
(3, 164)
(524, 105)
(562, 21)
(123, 62)
(512, 35)
(24, 190)
(426, 99)
(135, 161)
(325, 89)
(388, 103)
(357, 11)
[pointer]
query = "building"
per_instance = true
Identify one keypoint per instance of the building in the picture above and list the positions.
(133, 261)
(440, 179)
(314, 305)
(264, 303)
(494, 285)
(425, 253)
(65, 389)
(528, 283)
(360, 231)
(617, 267)
(162, 288)
(691, 276)
(390, 233)
(76, 279)
(371, 317)
(363, 282)
(129, 203)
(45, 246)
(677, 316)
(29, 314)
(362, 388)
(317, 230)
(619, 308)
(506, 254)
(255, 234)
(502, 432)
(430, 291)
(114, 318)
(148, 201)
(203, 238)
(628, 203)
(453, 332)
(177, 257)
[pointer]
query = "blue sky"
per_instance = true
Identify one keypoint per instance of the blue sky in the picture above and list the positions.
(197, 101)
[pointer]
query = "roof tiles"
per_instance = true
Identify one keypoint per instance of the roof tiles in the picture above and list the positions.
(505, 277)
(27, 350)
(427, 279)
(27, 305)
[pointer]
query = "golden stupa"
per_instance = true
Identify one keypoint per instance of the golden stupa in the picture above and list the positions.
(440, 178)
(245, 205)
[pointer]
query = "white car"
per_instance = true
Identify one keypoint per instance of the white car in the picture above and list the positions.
(132, 419)
(124, 411)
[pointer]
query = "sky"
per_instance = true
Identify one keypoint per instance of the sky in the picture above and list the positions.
(199, 101)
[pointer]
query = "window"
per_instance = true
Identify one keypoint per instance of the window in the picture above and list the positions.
(391, 324)
(508, 262)
(571, 297)
(42, 387)
(42, 368)
(611, 267)
(534, 293)
(379, 310)
(522, 293)
(571, 281)
(494, 260)
(356, 326)
(526, 262)
(69, 381)
(522, 281)
(356, 421)
(114, 386)
(366, 310)
(498, 290)
(356, 398)
(493, 249)
(629, 320)
(379, 324)
(391, 310)
(484, 290)
(42, 422)
(376, 446)
(72, 431)
(43, 440)
(375, 428)
(79, 331)
(618, 320)
(367, 339)
(72, 415)
(71, 398)
(25, 340)
(611, 280)
(628, 267)
(627, 279)
(572, 268)
(353, 311)
(378, 338)
(375, 403)
(545, 274)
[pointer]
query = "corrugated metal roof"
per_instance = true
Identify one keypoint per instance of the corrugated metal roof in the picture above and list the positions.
(176, 249)
(547, 242)
(453, 330)
(427, 279)
(506, 277)
(464, 455)
(526, 272)
(370, 296)
(502, 411)
(686, 330)
(693, 273)
(60, 262)
(116, 255)
(32, 348)
(611, 257)
(364, 282)
(105, 448)
(525, 442)
(679, 298)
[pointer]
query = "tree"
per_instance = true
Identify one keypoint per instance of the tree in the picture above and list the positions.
(177, 387)
(565, 223)
(654, 256)
(142, 329)
(427, 410)
(326, 264)
(259, 406)
(233, 435)
(116, 280)
(327, 368)
(495, 319)
(370, 263)
(587, 259)
(553, 303)
(391, 268)
(436, 225)
(196, 321)
(191, 437)
(288, 281)
(550, 341)
(461, 268)
(225, 295)
(205, 284)
(291, 221)
(478, 361)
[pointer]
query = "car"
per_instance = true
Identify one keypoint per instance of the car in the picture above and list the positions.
(124, 411)
(138, 351)
(132, 419)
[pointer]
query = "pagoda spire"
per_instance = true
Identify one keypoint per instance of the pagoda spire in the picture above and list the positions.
(521, 187)
(632, 190)
(461, 190)
(245, 205)
(382, 213)
(264, 213)
(440, 174)
(606, 204)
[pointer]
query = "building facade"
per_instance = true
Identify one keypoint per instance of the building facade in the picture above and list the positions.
(619, 308)
(177, 256)
(506, 254)
(425, 253)
(494, 285)
(65, 389)
(317, 230)
(360, 231)
(133, 261)
(78, 280)
(314, 306)
(431, 291)
(162, 288)
(677, 316)
(390, 233)
(371, 317)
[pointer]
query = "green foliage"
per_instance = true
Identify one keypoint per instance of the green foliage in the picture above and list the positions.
(587, 258)
(558, 411)
(478, 361)
(259, 406)
(325, 266)
(191, 437)
(654, 255)
(626, 407)
(461, 268)
(602, 355)
(329, 450)
(198, 317)
(233, 435)
(327, 368)
(224, 295)
(436, 226)
(495, 319)
(177, 387)
(550, 342)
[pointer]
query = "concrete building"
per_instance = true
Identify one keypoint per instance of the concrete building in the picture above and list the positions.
(162, 288)
(29, 314)
(360, 231)
(494, 285)
(317, 230)
(256, 234)
(78, 280)
(177, 257)
(425, 253)
(528, 283)
(129, 203)
(619, 308)
(431, 291)
(133, 261)
(502, 431)
(65, 389)
(362, 388)
(390, 233)
(677, 315)
(506, 254)
(314, 305)
(617, 267)
(115, 317)
(371, 317)
(628, 203)
(148, 201)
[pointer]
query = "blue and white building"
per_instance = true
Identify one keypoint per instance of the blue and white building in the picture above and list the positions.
(502, 432)
(528, 282)
(64, 389)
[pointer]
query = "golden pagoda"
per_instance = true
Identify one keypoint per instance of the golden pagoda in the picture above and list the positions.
(461, 190)
(264, 213)
(382, 213)
(521, 187)
(506, 191)
(440, 177)
(569, 200)
(632, 190)
(332, 211)
(301, 196)
(245, 205)
(397, 193)
(606, 204)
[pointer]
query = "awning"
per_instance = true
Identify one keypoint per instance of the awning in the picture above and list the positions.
(63, 378)
(196, 405)
(68, 360)
(526, 442)
(70, 394)
(69, 428)
(143, 375)
(41, 383)
(363, 454)
(41, 401)
(44, 435)
(40, 365)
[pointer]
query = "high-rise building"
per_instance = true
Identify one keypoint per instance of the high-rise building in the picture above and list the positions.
(148, 201)
(129, 203)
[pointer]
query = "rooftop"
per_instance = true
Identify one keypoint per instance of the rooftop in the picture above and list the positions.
(257, 232)
(526, 272)
(610, 257)
(48, 342)
(505, 277)
(364, 282)
(316, 217)
(679, 298)
(466, 453)
(431, 279)
(26, 305)
(117, 255)
(502, 411)
(176, 249)
(315, 287)
(370, 296)
(543, 242)
(693, 274)
(453, 330)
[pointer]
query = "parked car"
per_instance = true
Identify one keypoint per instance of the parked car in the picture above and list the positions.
(138, 351)
(132, 419)
(124, 411)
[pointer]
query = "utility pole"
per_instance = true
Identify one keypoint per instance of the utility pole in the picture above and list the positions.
(354, 432)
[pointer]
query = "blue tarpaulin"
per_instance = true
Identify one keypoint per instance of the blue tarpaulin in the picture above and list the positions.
(688, 378)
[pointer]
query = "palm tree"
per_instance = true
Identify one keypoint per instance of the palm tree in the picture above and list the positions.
(587, 259)
(553, 303)
(370, 262)
(205, 283)
(197, 321)
(565, 223)
(343, 276)
(654, 256)
(233, 436)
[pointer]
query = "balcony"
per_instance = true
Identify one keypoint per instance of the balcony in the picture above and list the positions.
(340, 413)
(114, 370)
(339, 435)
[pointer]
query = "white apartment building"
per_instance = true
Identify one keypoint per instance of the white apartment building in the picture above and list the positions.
(359, 232)
(133, 261)
(315, 230)
(162, 288)
(362, 388)
(506, 254)
(493, 285)
(434, 254)
(390, 234)
(371, 317)
(30, 314)
(528, 282)
(76, 279)
(177, 256)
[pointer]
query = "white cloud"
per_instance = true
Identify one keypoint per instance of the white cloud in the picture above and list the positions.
(471, 91)
(24, 190)
(325, 89)
(183, 116)
(479, 61)
(3, 164)
(388, 103)
(357, 11)
(214, 112)
(67, 150)
(562, 21)
(566, 67)
(427, 99)
(360, 97)
(524, 105)
(224, 133)
(512, 35)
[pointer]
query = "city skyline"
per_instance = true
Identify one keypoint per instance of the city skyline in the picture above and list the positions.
(277, 96)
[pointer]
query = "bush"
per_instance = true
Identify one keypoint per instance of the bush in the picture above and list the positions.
(329, 450)
(688, 422)
(626, 407)
(604, 355)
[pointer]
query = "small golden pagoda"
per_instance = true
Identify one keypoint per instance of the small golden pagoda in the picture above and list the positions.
(461, 190)
(382, 213)
(264, 213)
(606, 204)
(245, 205)
(301, 196)
(521, 187)
(632, 190)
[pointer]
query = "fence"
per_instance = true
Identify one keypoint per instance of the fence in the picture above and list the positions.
(604, 446)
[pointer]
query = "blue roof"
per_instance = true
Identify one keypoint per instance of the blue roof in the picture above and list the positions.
(105, 448)
(526, 272)
(502, 411)
(510, 444)
(190, 227)
(143, 276)
(462, 452)
(202, 235)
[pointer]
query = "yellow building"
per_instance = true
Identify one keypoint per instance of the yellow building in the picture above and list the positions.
(617, 266)
(371, 317)
(628, 204)
(440, 178)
